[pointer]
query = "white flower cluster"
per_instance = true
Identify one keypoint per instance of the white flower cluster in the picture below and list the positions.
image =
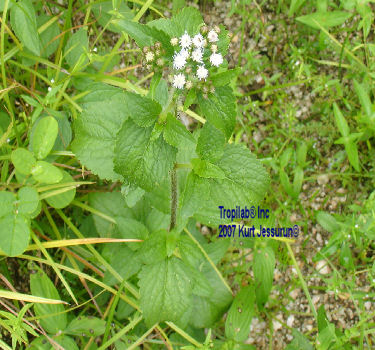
(193, 55)
(153, 56)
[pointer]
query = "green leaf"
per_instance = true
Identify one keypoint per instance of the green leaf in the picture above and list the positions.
(190, 98)
(64, 136)
(284, 179)
(346, 258)
(364, 99)
(285, 157)
(322, 318)
(28, 200)
(240, 314)
(86, 326)
(104, 111)
(211, 143)
(189, 19)
(194, 259)
(340, 121)
(142, 34)
(300, 342)
(66, 342)
(40, 343)
(130, 228)
(23, 160)
(6, 203)
(165, 290)
(111, 204)
(297, 181)
(116, 255)
(41, 286)
(49, 38)
(327, 336)
(224, 78)
(158, 90)
(301, 154)
(77, 47)
(220, 109)
(352, 152)
(46, 173)
(43, 136)
(328, 222)
(264, 264)
(132, 194)
(142, 110)
(324, 19)
(203, 168)
(63, 199)
(143, 161)
(211, 297)
(245, 183)
(175, 133)
(14, 234)
(23, 22)
(154, 249)
(208, 310)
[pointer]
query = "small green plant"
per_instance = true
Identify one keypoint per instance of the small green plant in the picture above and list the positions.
(138, 139)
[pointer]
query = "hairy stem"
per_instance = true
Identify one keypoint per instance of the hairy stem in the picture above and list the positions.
(173, 198)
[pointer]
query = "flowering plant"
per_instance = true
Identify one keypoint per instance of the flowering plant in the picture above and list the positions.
(191, 57)
(136, 137)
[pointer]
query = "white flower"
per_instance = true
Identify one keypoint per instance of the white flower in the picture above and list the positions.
(149, 56)
(198, 41)
(49, 88)
(185, 53)
(95, 49)
(179, 81)
(185, 40)
(212, 36)
(216, 59)
(52, 80)
(174, 41)
(197, 55)
(179, 61)
(202, 72)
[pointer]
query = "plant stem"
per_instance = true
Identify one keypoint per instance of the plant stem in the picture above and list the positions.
(173, 198)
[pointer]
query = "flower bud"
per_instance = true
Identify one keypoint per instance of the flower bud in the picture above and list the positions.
(204, 29)
(189, 84)
(149, 56)
(160, 62)
(188, 69)
(174, 41)
(157, 45)
(217, 29)
(214, 48)
(146, 49)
